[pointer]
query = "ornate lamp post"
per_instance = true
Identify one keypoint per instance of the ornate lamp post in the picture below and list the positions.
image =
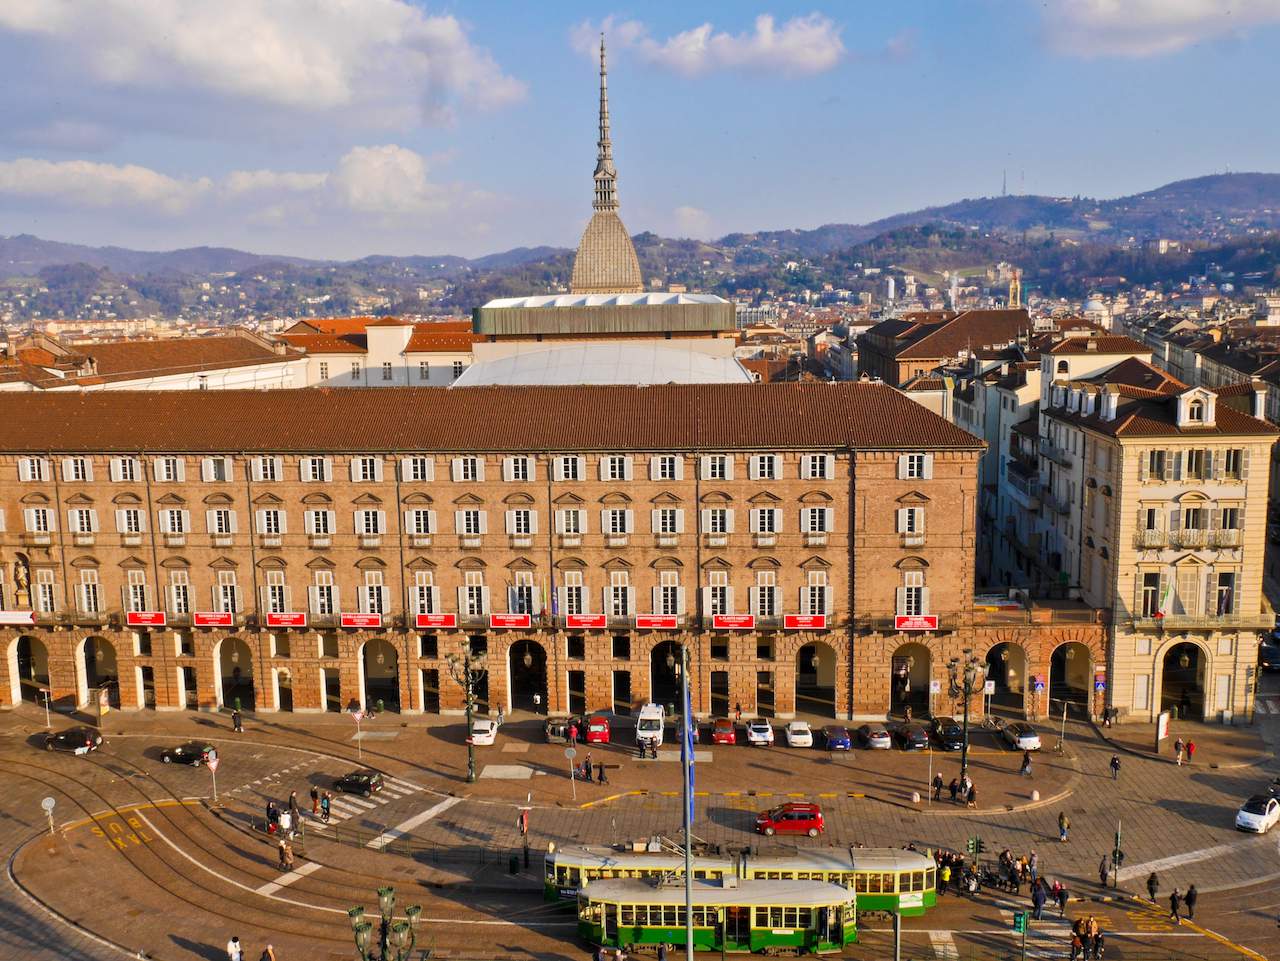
(396, 939)
(467, 669)
(967, 677)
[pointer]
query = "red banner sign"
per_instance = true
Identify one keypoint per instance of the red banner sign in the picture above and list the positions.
(585, 621)
(915, 622)
(511, 620)
(144, 618)
(804, 622)
(282, 619)
(436, 620)
(657, 622)
(361, 620)
(733, 622)
(212, 618)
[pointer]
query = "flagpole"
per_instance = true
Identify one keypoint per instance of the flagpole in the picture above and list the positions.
(686, 754)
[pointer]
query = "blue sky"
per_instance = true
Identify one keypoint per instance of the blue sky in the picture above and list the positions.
(333, 128)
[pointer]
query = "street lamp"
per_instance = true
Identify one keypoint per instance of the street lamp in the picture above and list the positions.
(967, 678)
(396, 939)
(466, 669)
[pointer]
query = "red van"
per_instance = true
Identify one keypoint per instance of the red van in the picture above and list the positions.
(598, 730)
(794, 817)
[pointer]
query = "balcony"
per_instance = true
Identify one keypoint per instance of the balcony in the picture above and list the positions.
(766, 540)
(615, 540)
(271, 540)
(1226, 538)
(471, 540)
(320, 541)
(37, 537)
(1055, 453)
(370, 540)
(521, 540)
(667, 540)
(1204, 622)
(570, 540)
(130, 540)
(913, 540)
(223, 540)
(1189, 538)
(1055, 503)
(815, 539)
(175, 540)
(419, 540)
(82, 539)
(717, 540)
(1023, 489)
(1149, 539)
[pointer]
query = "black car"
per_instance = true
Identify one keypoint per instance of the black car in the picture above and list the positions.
(77, 740)
(1269, 657)
(194, 753)
(948, 733)
(912, 737)
(359, 782)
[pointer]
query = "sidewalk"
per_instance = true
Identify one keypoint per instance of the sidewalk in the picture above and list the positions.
(1218, 746)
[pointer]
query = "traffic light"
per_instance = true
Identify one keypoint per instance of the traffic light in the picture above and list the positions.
(971, 845)
(981, 846)
(1118, 857)
(1020, 921)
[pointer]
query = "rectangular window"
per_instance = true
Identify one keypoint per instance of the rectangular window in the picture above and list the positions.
(816, 520)
(518, 468)
(1231, 461)
(324, 370)
(76, 469)
(522, 522)
(717, 520)
(1151, 519)
(316, 469)
(322, 594)
(418, 469)
(766, 594)
(717, 467)
(424, 370)
(168, 470)
(718, 592)
(765, 467)
(571, 522)
(468, 468)
(472, 526)
(179, 592)
(277, 601)
(319, 523)
(1226, 593)
(90, 592)
(665, 468)
(458, 368)
(267, 469)
(1230, 520)
(387, 373)
(227, 595)
(619, 594)
(818, 466)
(46, 592)
(473, 594)
(33, 469)
(424, 594)
(365, 469)
(221, 522)
(1150, 594)
(616, 521)
(82, 521)
(668, 592)
(272, 522)
(129, 520)
(914, 467)
(816, 593)
(367, 523)
(374, 596)
(1155, 464)
(613, 468)
(522, 598)
(1193, 518)
(355, 371)
(666, 520)
(574, 593)
(912, 593)
(766, 520)
(173, 521)
(124, 469)
(568, 468)
(419, 522)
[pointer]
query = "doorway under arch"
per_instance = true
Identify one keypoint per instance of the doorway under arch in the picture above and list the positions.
(1182, 680)
(380, 667)
(1071, 674)
(234, 661)
(664, 676)
(28, 669)
(527, 676)
(1007, 667)
(100, 669)
(816, 680)
(909, 672)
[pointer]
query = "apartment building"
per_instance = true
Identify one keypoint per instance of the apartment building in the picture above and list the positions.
(381, 352)
(310, 550)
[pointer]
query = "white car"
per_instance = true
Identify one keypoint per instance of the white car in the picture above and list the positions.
(484, 731)
(1021, 736)
(759, 732)
(798, 734)
(1258, 814)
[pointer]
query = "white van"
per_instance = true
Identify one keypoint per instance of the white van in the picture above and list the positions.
(650, 723)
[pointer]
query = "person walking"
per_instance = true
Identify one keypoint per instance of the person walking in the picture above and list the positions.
(1178, 748)
(280, 859)
(1063, 898)
(586, 766)
(1175, 906)
(237, 722)
(662, 952)
(600, 778)
(273, 817)
(573, 733)
(288, 856)
(235, 952)
(954, 788)
(1037, 901)
(1092, 935)
(268, 954)
(937, 787)
(326, 801)
(1064, 826)
(1033, 865)
(1104, 868)
(944, 878)
(737, 711)
(971, 799)
(1077, 946)
(1191, 752)
(1153, 886)
(294, 811)
(286, 824)
(315, 800)
(1025, 770)
(1190, 901)
(1115, 767)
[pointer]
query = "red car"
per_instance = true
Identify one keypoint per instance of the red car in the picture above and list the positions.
(598, 730)
(724, 732)
(794, 817)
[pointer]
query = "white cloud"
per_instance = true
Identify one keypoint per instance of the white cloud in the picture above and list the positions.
(1142, 28)
(249, 181)
(807, 44)
(86, 184)
(693, 222)
(385, 60)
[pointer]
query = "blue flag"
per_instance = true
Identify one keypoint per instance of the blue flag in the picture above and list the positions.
(686, 745)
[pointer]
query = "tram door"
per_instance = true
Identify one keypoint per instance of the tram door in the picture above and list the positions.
(737, 923)
(611, 923)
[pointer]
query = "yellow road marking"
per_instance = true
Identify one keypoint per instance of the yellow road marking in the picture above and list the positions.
(127, 809)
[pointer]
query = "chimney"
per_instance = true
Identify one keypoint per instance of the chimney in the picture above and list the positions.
(1110, 398)
(1091, 344)
(1259, 400)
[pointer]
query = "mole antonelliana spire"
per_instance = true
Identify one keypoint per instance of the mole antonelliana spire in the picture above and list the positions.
(606, 261)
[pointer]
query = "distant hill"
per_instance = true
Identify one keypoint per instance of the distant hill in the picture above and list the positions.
(26, 255)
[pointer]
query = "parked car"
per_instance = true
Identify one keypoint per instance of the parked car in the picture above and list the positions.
(1269, 656)
(194, 753)
(836, 738)
(1258, 814)
(366, 783)
(759, 733)
(77, 740)
(799, 734)
(912, 737)
(723, 731)
(556, 728)
(948, 733)
(649, 725)
(875, 736)
(598, 730)
(484, 731)
(794, 817)
(1021, 736)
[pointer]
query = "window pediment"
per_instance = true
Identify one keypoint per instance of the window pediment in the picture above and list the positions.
(85, 562)
(716, 563)
(320, 564)
(666, 497)
(35, 498)
(912, 563)
(815, 497)
(421, 563)
(173, 500)
(267, 500)
(418, 499)
(764, 564)
(815, 563)
(519, 498)
(571, 564)
(568, 500)
(127, 499)
(272, 562)
(223, 563)
(617, 564)
(521, 564)
(913, 497)
(615, 497)
(715, 497)
(764, 498)
(371, 564)
(666, 563)
(468, 500)
(317, 499)
(178, 563)
(367, 500)
(79, 500)
(219, 500)
(470, 564)
(132, 562)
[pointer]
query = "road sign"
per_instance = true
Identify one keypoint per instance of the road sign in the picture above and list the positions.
(357, 716)
(1019, 921)
(1099, 683)
(1038, 683)
(212, 762)
(48, 804)
(989, 687)
(571, 752)
(935, 687)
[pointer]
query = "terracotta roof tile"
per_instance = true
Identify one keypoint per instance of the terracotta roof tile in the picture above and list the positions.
(327, 343)
(1109, 344)
(671, 417)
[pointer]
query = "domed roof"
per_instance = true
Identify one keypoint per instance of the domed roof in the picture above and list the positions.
(606, 261)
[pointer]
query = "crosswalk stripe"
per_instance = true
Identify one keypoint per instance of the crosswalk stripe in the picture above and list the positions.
(396, 791)
(408, 785)
(944, 946)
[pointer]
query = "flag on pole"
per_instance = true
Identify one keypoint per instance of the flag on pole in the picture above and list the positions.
(686, 742)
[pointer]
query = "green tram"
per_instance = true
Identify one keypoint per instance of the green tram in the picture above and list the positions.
(884, 879)
(773, 917)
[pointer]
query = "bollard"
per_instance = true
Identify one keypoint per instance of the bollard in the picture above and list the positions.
(915, 797)
(1035, 795)
(513, 865)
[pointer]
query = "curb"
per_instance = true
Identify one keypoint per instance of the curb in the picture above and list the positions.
(644, 792)
(1255, 761)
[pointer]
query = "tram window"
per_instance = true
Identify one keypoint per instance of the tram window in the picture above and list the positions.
(775, 917)
(789, 918)
(575, 875)
(890, 882)
(699, 873)
(847, 878)
(627, 914)
(669, 915)
(860, 883)
(762, 918)
(805, 918)
(929, 878)
(919, 879)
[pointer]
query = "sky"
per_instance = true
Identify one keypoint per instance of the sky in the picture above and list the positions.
(342, 128)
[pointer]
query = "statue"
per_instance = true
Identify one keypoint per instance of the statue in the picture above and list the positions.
(21, 575)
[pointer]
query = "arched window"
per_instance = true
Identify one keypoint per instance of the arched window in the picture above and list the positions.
(1195, 411)
(1063, 367)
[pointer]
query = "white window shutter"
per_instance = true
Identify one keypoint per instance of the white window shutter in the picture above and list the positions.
(186, 520)
(900, 605)
(327, 467)
(484, 522)
(728, 467)
(705, 520)
(679, 520)
(605, 606)
(357, 522)
(484, 600)
(233, 521)
(604, 521)
(753, 467)
(655, 524)
(511, 521)
(902, 475)
(455, 469)
(679, 467)
(182, 470)
(704, 466)
(919, 520)
(728, 600)
(630, 519)
(804, 601)
(24, 469)
(831, 518)
(283, 520)
(559, 521)
(928, 467)
(653, 470)
(260, 521)
(655, 599)
(557, 469)
(1175, 519)
(309, 522)
(680, 607)
(211, 521)
(382, 521)
(462, 600)
(29, 518)
(71, 520)
(67, 468)
(902, 520)
(753, 600)
(333, 520)
(728, 521)
(924, 600)
(777, 520)
(377, 469)
(628, 468)
(277, 462)
(830, 461)
(353, 469)
(706, 601)
(255, 468)
(827, 597)
(116, 473)
(121, 523)
(93, 520)
(435, 599)
(602, 467)
(804, 520)
(1244, 464)
(753, 521)
(584, 521)
(533, 522)
(1144, 465)
(508, 472)
(409, 525)
(479, 469)
(156, 474)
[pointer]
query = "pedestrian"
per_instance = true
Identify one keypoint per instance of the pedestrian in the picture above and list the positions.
(586, 766)
(737, 711)
(600, 778)
(1033, 865)
(286, 824)
(1191, 752)
(599, 955)
(1063, 898)
(937, 787)
(325, 802)
(906, 714)
(237, 722)
(1064, 826)
(972, 799)
(954, 788)
(1077, 946)
(1038, 898)
(280, 854)
(268, 954)
(293, 808)
(315, 800)
(662, 952)
(573, 733)
(502, 713)
(1153, 886)
(1178, 748)
(1098, 946)
(273, 817)
(1025, 770)
(944, 878)
(288, 856)
(1092, 935)
(234, 951)
(1103, 870)
(1190, 901)
(1175, 906)
(1115, 767)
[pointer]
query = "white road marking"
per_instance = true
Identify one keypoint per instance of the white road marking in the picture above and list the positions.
(944, 946)
(1173, 861)
(400, 830)
(271, 887)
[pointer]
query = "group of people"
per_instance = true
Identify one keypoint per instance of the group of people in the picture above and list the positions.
(285, 823)
(1180, 747)
(1087, 941)
(235, 951)
(583, 771)
(961, 789)
(1177, 900)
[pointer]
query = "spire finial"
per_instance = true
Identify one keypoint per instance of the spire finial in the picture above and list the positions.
(606, 177)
